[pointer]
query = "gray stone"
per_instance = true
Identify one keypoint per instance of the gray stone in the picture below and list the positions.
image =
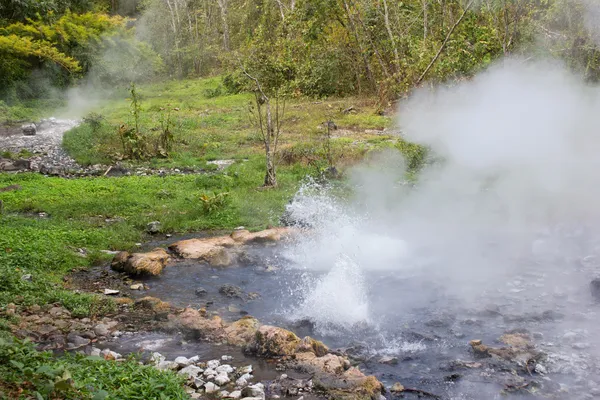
(200, 292)
(198, 383)
(183, 361)
(101, 330)
(29, 129)
(222, 379)
(256, 391)
(211, 388)
(166, 365)
(213, 364)
(226, 368)
(191, 371)
(26, 277)
(75, 341)
(153, 227)
(236, 394)
(231, 291)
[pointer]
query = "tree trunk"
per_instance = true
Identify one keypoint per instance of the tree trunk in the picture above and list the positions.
(386, 18)
(362, 51)
(225, 24)
(270, 176)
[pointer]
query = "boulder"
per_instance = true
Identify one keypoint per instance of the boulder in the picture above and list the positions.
(242, 331)
(192, 322)
(268, 235)
(153, 304)
(151, 263)
(329, 363)
(309, 344)
(14, 165)
(271, 341)
(29, 129)
(214, 250)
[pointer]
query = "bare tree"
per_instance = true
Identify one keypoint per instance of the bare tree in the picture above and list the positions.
(269, 126)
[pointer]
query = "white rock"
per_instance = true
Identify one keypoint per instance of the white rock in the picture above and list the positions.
(194, 359)
(236, 394)
(241, 382)
(246, 377)
(110, 292)
(191, 371)
(540, 369)
(157, 357)
(256, 391)
(222, 379)
(224, 393)
(196, 395)
(95, 352)
(226, 358)
(211, 387)
(136, 286)
(213, 364)
(224, 369)
(166, 365)
(182, 361)
(246, 370)
(198, 383)
(209, 371)
(111, 354)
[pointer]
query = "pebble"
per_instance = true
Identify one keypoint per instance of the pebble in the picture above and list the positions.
(226, 358)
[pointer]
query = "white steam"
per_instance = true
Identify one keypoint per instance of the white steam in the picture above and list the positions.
(517, 190)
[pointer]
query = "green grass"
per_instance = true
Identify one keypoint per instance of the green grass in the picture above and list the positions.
(28, 374)
(32, 110)
(208, 127)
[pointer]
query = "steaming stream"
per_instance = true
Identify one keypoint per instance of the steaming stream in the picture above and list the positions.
(500, 234)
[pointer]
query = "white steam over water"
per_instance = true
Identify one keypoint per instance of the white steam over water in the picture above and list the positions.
(516, 191)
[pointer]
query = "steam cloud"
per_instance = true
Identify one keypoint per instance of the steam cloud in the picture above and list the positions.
(516, 190)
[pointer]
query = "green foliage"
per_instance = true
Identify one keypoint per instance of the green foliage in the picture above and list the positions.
(214, 202)
(27, 373)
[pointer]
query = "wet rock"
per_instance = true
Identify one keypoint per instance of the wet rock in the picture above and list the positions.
(29, 129)
(111, 355)
(201, 292)
(152, 303)
(257, 391)
(268, 235)
(136, 286)
(193, 323)
(397, 388)
(272, 341)
(214, 250)
(101, 330)
(151, 263)
(74, 341)
(231, 291)
(315, 346)
(329, 363)
(153, 227)
(388, 360)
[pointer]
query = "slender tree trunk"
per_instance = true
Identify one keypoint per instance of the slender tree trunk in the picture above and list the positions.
(365, 60)
(435, 58)
(386, 19)
(225, 23)
(425, 21)
(281, 9)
